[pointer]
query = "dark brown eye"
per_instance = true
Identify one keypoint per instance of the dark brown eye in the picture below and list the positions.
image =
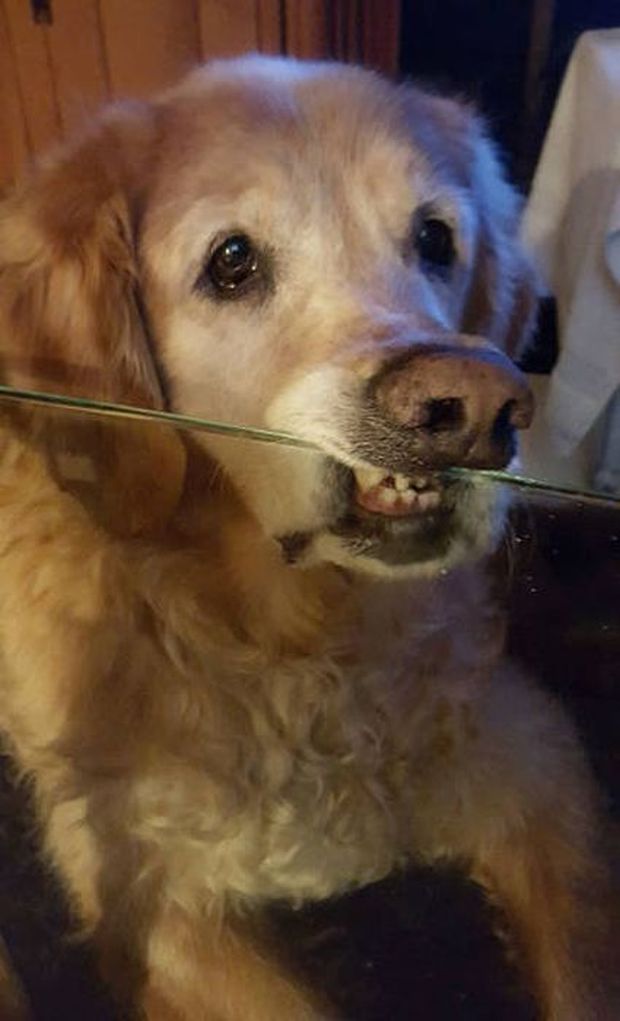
(434, 243)
(233, 263)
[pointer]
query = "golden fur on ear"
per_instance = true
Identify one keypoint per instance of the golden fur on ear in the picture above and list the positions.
(502, 300)
(71, 320)
(502, 296)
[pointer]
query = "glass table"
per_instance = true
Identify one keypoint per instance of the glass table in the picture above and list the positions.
(420, 937)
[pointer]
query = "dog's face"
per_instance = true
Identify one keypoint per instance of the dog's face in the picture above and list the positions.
(318, 252)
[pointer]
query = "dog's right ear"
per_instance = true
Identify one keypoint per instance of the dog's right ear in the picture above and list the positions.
(503, 294)
(71, 314)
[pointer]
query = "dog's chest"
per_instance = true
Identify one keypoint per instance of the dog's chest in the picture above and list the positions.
(302, 786)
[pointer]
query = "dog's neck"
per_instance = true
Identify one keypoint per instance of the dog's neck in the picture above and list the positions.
(284, 609)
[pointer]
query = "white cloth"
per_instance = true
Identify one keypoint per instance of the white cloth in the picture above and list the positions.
(572, 228)
(607, 470)
(612, 242)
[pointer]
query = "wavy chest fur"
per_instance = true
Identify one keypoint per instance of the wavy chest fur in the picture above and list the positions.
(295, 769)
(262, 732)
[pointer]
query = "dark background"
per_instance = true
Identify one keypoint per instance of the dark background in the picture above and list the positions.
(499, 54)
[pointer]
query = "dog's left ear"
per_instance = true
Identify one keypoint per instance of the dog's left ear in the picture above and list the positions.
(71, 314)
(502, 298)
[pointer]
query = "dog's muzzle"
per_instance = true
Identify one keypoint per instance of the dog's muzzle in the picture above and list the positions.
(453, 402)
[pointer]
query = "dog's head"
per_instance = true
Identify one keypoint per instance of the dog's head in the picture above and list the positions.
(299, 246)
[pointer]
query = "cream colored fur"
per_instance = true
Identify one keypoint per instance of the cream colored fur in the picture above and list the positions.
(206, 727)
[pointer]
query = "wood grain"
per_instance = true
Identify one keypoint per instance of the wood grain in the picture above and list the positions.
(228, 28)
(14, 148)
(149, 43)
(29, 44)
(78, 61)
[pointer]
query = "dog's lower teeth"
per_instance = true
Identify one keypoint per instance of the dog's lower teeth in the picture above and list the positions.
(428, 500)
(388, 497)
(368, 478)
(395, 493)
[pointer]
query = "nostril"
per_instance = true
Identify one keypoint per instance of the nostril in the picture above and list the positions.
(444, 415)
(503, 429)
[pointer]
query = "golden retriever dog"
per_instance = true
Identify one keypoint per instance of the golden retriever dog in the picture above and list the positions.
(238, 673)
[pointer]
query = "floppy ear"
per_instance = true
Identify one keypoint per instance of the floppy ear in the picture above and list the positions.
(502, 299)
(71, 316)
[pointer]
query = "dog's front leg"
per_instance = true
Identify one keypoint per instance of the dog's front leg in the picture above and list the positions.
(197, 972)
(13, 1002)
(552, 895)
(511, 796)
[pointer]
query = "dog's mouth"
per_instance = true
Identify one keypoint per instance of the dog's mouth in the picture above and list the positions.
(395, 518)
(374, 517)
(395, 495)
(425, 521)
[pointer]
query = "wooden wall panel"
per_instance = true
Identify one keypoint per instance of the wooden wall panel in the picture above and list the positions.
(78, 61)
(346, 30)
(228, 28)
(269, 15)
(380, 35)
(30, 47)
(14, 149)
(359, 31)
(308, 28)
(54, 76)
(149, 43)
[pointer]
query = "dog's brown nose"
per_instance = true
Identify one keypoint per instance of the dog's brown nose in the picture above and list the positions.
(462, 404)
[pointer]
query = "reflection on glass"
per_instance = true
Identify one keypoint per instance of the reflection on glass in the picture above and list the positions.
(109, 410)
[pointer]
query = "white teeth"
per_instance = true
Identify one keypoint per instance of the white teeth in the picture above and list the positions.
(410, 493)
(428, 500)
(387, 497)
(367, 478)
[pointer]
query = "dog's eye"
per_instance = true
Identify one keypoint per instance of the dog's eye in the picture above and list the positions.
(233, 263)
(434, 243)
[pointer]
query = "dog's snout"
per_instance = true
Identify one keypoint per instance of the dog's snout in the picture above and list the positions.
(463, 403)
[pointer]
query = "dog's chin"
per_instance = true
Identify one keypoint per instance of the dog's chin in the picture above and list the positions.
(391, 526)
